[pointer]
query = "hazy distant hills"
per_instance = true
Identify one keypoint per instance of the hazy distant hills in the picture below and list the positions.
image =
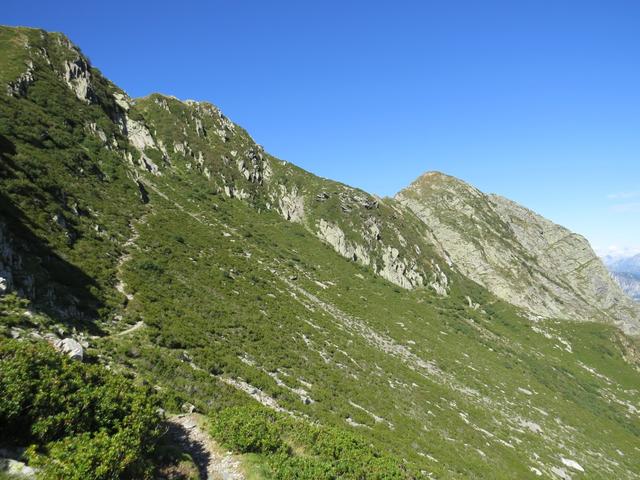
(630, 284)
(623, 264)
(626, 271)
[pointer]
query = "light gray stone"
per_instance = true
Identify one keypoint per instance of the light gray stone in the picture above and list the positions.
(518, 255)
(71, 348)
(17, 469)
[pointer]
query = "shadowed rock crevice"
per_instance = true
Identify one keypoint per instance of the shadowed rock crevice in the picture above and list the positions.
(32, 269)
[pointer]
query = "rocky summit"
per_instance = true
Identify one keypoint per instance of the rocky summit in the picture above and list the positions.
(170, 291)
(518, 255)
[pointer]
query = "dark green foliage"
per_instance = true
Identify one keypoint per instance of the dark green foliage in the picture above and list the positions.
(247, 429)
(61, 189)
(83, 421)
(295, 449)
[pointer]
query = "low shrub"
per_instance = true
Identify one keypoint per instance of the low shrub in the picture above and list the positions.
(82, 421)
(247, 429)
(294, 449)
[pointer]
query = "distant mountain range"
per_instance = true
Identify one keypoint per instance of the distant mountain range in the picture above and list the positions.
(630, 284)
(626, 271)
(623, 264)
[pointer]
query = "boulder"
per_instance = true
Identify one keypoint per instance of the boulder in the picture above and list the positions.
(16, 469)
(71, 347)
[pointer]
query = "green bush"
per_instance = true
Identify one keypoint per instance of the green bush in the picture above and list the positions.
(94, 456)
(247, 429)
(294, 449)
(83, 421)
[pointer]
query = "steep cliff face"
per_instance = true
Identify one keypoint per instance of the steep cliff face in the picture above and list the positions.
(520, 256)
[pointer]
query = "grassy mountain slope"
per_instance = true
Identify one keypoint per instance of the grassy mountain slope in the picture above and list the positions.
(248, 279)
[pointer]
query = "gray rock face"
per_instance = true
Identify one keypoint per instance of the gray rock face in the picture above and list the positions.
(392, 265)
(16, 469)
(18, 88)
(518, 255)
(334, 236)
(291, 204)
(77, 74)
(140, 138)
(254, 166)
(400, 271)
(71, 348)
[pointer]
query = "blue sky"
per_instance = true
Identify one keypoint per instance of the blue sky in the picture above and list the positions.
(538, 101)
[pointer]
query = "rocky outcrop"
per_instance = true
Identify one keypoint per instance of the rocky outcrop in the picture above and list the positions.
(291, 204)
(385, 260)
(70, 347)
(8, 260)
(77, 75)
(16, 469)
(254, 166)
(13, 276)
(18, 87)
(520, 256)
(439, 280)
(140, 138)
(334, 236)
(398, 270)
(139, 135)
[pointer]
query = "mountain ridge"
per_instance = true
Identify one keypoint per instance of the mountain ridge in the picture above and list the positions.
(519, 255)
(230, 279)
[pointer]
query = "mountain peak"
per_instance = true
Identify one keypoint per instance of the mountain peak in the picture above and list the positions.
(435, 176)
(517, 254)
(433, 181)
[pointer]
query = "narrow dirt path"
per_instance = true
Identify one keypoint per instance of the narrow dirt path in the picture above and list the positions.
(131, 241)
(212, 462)
(137, 326)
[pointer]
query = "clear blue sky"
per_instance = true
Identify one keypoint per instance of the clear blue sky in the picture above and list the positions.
(535, 100)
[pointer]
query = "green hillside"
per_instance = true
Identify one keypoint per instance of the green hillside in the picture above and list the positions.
(190, 260)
